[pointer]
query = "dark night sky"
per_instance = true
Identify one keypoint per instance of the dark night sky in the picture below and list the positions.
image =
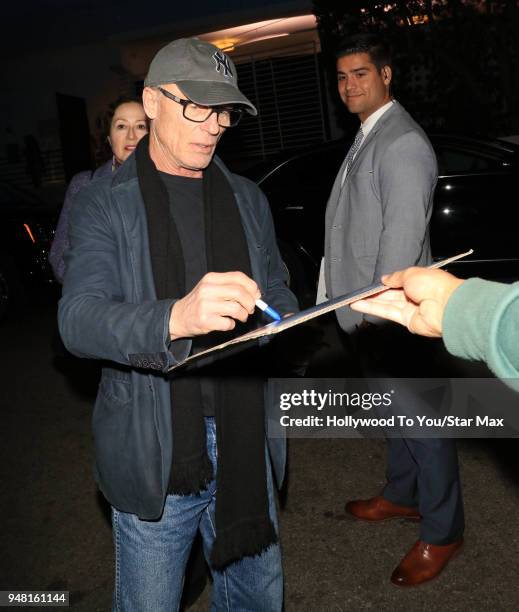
(34, 24)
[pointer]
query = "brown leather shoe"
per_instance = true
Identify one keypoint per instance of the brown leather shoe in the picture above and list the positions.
(380, 509)
(423, 562)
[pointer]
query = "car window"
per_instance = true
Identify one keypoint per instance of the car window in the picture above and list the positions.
(304, 180)
(453, 160)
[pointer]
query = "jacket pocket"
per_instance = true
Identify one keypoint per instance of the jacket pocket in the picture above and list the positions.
(112, 435)
(117, 389)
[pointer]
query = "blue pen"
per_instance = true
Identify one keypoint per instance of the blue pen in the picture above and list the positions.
(268, 310)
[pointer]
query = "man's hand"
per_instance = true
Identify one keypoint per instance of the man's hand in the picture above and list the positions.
(213, 305)
(416, 298)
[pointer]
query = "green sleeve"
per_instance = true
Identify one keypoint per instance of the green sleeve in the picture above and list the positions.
(481, 322)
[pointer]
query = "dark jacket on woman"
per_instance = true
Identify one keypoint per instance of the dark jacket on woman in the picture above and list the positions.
(60, 242)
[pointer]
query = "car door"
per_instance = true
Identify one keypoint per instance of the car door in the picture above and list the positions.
(298, 191)
(476, 208)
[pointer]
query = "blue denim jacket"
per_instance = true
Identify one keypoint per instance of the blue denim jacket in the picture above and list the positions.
(109, 311)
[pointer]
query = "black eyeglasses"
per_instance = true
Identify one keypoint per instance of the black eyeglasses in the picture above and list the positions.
(226, 116)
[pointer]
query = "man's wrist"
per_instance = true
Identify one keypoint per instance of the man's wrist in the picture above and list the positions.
(174, 333)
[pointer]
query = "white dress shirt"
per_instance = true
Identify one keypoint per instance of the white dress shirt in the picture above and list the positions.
(367, 126)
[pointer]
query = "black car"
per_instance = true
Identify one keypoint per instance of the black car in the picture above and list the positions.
(26, 232)
(476, 206)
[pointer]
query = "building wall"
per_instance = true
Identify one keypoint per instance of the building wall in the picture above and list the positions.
(100, 71)
(29, 102)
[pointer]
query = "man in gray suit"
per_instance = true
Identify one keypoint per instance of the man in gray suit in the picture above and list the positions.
(376, 222)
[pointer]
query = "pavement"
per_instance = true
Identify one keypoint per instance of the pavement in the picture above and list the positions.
(56, 532)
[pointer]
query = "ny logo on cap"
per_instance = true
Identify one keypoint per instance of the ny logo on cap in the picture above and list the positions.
(222, 61)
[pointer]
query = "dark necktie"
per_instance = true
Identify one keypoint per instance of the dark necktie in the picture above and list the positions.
(352, 152)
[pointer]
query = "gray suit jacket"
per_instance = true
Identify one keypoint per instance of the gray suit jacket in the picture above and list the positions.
(378, 221)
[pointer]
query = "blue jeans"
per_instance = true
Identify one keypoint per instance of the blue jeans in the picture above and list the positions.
(151, 556)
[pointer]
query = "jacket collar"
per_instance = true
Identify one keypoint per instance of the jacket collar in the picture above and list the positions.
(128, 171)
(103, 170)
(395, 109)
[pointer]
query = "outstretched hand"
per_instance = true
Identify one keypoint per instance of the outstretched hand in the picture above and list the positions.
(415, 298)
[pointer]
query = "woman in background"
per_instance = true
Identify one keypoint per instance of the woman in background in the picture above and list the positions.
(127, 126)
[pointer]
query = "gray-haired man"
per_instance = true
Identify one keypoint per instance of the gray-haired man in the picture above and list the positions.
(168, 252)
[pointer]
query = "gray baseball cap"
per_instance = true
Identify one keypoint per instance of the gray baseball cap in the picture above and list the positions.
(205, 74)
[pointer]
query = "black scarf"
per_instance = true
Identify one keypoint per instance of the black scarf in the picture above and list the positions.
(243, 525)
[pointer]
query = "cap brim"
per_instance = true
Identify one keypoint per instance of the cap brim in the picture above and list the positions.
(213, 93)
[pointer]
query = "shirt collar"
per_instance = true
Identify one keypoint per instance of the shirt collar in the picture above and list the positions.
(369, 124)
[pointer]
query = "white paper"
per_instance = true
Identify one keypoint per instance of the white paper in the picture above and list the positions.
(306, 315)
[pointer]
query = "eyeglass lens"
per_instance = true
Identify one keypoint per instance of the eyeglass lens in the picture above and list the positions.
(226, 117)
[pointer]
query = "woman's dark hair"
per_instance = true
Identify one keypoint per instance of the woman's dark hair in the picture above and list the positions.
(113, 106)
(374, 45)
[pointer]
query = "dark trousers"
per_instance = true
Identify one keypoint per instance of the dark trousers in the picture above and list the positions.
(421, 472)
